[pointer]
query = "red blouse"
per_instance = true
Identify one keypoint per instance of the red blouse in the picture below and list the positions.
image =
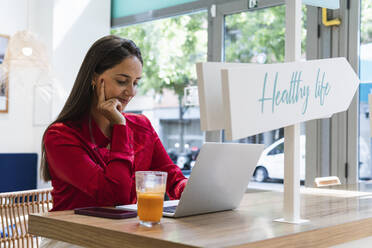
(85, 173)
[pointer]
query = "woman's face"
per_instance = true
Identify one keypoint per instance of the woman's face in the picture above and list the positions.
(121, 81)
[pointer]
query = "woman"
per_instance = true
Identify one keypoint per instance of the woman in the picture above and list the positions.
(91, 152)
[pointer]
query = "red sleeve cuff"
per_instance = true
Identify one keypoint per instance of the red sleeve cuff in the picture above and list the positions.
(180, 187)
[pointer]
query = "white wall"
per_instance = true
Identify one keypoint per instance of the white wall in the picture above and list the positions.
(79, 24)
(67, 28)
(13, 16)
(16, 127)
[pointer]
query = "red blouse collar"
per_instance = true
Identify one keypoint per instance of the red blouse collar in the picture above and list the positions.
(99, 138)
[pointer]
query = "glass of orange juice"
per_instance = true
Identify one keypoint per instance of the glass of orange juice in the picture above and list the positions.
(150, 187)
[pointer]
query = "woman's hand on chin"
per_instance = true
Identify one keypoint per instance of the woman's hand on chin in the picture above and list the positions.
(111, 109)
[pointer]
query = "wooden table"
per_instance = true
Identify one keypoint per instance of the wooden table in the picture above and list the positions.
(333, 220)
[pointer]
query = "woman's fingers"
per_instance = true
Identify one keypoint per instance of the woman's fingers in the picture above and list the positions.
(110, 108)
(119, 106)
(101, 92)
(114, 104)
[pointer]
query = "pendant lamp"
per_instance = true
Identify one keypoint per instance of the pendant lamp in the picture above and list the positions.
(25, 49)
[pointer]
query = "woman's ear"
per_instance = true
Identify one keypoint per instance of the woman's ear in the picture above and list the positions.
(94, 79)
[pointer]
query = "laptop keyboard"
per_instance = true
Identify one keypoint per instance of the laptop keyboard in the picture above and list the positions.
(171, 209)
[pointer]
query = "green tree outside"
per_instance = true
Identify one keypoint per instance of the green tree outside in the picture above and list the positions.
(366, 19)
(170, 48)
(251, 34)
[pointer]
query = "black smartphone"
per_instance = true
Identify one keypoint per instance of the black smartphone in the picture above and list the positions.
(111, 213)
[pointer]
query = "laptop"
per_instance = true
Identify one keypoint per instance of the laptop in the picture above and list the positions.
(217, 181)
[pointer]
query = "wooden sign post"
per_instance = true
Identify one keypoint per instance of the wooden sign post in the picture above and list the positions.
(291, 204)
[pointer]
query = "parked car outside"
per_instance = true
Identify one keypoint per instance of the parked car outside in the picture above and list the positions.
(185, 160)
(271, 162)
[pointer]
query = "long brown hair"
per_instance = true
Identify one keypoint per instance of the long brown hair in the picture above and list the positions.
(104, 54)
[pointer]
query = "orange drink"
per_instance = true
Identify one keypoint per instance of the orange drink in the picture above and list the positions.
(150, 206)
(150, 187)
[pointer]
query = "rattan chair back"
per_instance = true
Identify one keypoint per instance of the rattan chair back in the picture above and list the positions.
(15, 208)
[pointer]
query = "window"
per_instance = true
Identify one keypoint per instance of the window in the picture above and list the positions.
(277, 150)
(171, 47)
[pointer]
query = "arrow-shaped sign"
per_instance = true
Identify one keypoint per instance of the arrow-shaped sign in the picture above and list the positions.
(260, 98)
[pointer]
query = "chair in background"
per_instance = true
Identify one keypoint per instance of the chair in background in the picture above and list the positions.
(14, 210)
